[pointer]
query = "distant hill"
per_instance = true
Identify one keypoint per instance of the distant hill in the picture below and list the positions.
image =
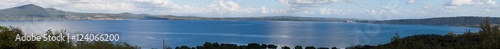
(268, 18)
(34, 12)
(469, 21)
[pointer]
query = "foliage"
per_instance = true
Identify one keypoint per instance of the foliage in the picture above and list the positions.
(285, 47)
(487, 38)
(8, 35)
(209, 45)
(310, 47)
(298, 47)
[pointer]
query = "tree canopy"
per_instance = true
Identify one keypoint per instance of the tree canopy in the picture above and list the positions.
(8, 34)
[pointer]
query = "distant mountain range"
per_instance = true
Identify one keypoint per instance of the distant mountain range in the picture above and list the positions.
(268, 18)
(34, 12)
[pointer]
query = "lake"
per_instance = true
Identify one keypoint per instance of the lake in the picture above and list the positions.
(150, 33)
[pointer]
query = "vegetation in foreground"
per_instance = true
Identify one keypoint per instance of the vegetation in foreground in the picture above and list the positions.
(8, 35)
(487, 38)
(209, 45)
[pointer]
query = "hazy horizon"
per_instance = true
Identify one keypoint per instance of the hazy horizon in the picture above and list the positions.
(356, 9)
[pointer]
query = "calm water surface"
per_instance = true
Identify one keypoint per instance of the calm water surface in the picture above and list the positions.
(150, 33)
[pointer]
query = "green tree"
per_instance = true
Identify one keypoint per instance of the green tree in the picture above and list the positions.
(310, 47)
(263, 46)
(489, 35)
(254, 46)
(335, 48)
(272, 46)
(182, 47)
(322, 48)
(8, 36)
(298, 47)
(451, 34)
(285, 47)
(396, 36)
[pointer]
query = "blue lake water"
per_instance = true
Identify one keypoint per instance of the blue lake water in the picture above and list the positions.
(150, 33)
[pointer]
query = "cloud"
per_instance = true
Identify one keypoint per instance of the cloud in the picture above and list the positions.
(326, 11)
(468, 2)
(463, 3)
(427, 6)
(96, 6)
(492, 9)
(218, 7)
(490, 2)
(410, 2)
(263, 10)
(234, 8)
(302, 6)
(161, 7)
(329, 11)
(107, 7)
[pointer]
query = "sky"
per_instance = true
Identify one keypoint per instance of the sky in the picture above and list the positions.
(357, 9)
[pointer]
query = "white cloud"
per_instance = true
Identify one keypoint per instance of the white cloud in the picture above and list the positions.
(490, 2)
(303, 6)
(263, 10)
(492, 8)
(161, 7)
(221, 7)
(453, 7)
(236, 8)
(108, 7)
(469, 2)
(325, 11)
(463, 2)
(427, 6)
(410, 2)
(450, 7)
(167, 7)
